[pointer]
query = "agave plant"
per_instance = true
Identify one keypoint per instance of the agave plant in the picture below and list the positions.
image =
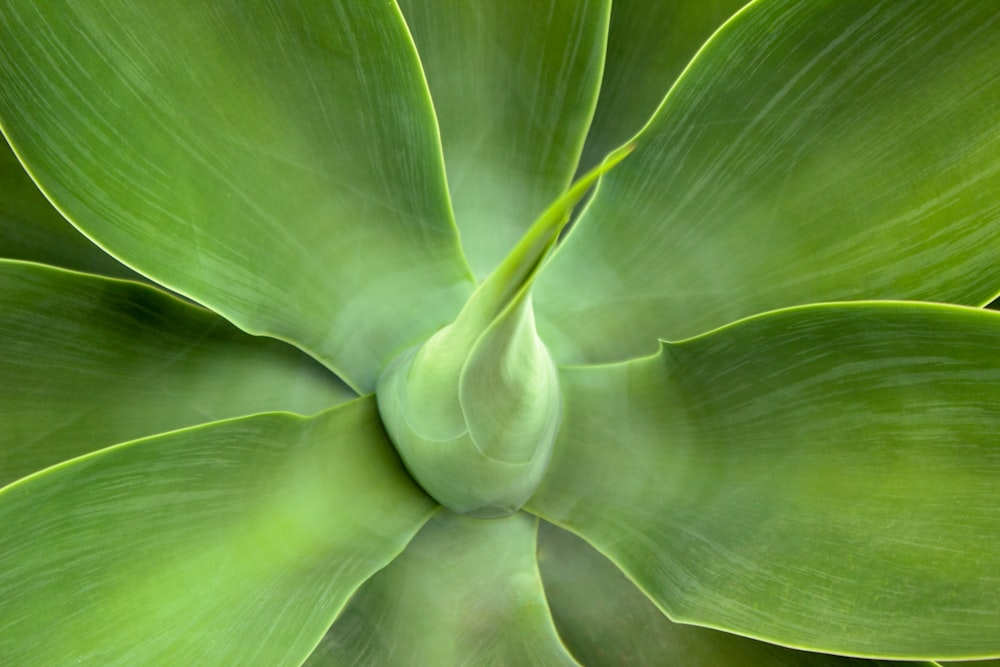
(292, 405)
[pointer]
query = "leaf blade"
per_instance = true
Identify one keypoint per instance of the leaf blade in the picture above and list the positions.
(301, 196)
(32, 230)
(513, 117)
(822, 477)
(607, 621)
(811, 152)
(649, 45)
(237, 550)
(466, 591)
(90, 362)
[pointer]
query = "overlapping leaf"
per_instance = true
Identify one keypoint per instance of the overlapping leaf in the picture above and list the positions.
(465, 592)
(649, 44)
(234, 543)
(607, 621)
(31, 229)
(282, 167)
(89, 362)
(823, 477)
(514, 88)
(813, 151)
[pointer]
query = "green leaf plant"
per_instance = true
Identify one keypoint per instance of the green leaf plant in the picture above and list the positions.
(430, 332)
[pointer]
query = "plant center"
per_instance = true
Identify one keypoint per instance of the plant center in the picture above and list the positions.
(474, 411)
(475, 424)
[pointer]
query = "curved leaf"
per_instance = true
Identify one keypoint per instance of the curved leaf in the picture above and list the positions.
(607, 621)
(90, 362)
(235, 543)
(649, 44)
(823, 477)
(465, 592)
(31, 229)
(282, 168)
(514, 88)
(812, 151)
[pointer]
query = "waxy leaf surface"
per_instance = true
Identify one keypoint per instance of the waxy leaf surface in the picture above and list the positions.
(823, 477)
(90, 362)
(235, 543)
(649, 44)
(812, 151)
(282, 168)
(465, 592)
(607, 622)
(32, 229)
(514, 87)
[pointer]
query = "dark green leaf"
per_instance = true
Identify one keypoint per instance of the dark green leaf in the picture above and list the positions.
(32, 229)
(89, 362)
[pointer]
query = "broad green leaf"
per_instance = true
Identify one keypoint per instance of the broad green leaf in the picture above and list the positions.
(31, 229)
(812, 151)
(465, 592)
(89, 362)
(514, 88)
(234, 543)
(281, 167)
(606, 621)
(824, 477)
(649, 44)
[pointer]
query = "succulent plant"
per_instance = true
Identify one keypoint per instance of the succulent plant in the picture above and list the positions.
(432, 333)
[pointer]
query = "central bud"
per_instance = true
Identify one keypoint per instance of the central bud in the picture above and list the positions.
(475, 421)
(474, 411)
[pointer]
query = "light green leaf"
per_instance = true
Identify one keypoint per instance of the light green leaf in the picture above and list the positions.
(823, 477)
(649, 44)
(235, 543)
(282, 168)
(606, 621)
(89, 362)
(31, 229)
(465, 592)
(813, 151)
(514, 87)
(474, 411)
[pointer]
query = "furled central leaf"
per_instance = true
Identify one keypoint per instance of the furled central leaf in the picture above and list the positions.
(474, 410)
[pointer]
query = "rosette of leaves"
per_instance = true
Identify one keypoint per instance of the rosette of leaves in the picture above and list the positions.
(327, 381)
